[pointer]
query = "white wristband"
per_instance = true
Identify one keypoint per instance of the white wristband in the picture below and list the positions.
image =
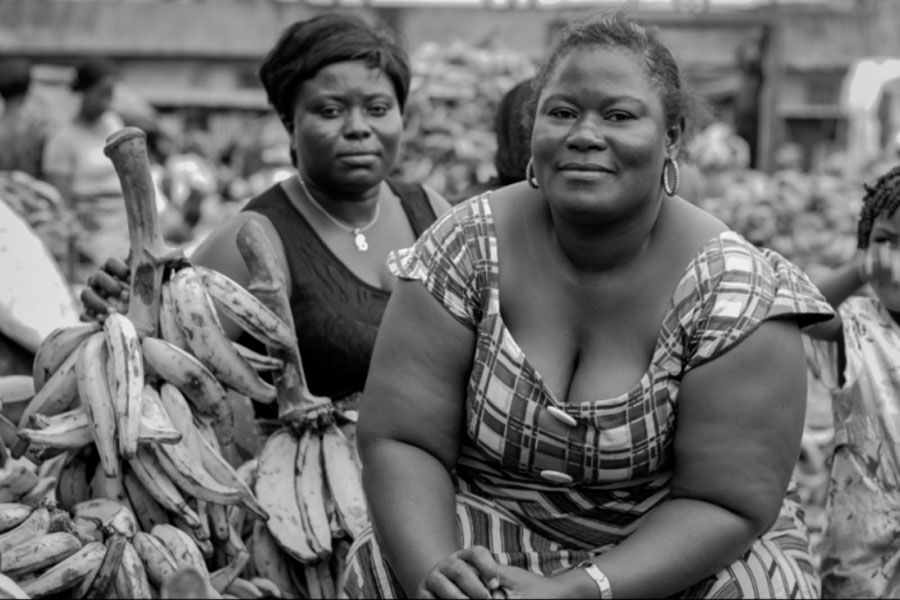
(599, 578)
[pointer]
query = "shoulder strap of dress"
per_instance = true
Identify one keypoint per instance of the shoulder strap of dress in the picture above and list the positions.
(263, 200)
(416, 203)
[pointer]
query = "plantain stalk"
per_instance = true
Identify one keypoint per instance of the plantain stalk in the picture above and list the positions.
(297, 406)
(127, 149)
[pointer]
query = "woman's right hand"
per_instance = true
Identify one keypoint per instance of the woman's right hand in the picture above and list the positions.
(106, 290)
(468, 573)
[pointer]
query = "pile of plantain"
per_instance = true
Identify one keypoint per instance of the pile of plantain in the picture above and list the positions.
(113, 479)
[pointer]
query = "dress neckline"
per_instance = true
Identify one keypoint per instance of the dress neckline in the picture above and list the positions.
(659, 346)
(292, 199)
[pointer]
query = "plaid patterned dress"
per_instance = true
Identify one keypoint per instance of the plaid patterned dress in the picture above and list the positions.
(543, 495)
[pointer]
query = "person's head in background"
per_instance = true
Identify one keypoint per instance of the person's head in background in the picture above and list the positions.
(878, 231)
(513, 130)
(95, 80)
(339, 86)
(15, 79)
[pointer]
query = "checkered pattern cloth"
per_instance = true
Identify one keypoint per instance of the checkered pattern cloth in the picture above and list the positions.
(618, 452)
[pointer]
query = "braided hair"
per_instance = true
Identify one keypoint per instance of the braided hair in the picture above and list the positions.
(883, 197)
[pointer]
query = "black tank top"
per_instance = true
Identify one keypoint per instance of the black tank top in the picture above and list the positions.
(336, 314)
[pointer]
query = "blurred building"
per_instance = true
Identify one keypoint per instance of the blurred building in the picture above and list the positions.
(775, 68)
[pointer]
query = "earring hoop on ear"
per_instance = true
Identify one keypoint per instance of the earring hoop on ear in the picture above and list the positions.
(671, 189)
(529, 174)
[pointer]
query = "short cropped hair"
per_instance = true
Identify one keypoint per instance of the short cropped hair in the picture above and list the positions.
(306, 47)
(618, 30)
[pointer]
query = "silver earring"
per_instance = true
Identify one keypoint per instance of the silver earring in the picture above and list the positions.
(529, 174)
(670, 189)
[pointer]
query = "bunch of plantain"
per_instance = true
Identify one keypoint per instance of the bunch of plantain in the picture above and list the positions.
(308, 475)
(308, 481)
(128, 413)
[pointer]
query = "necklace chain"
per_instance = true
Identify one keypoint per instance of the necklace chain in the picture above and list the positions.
(358, 232)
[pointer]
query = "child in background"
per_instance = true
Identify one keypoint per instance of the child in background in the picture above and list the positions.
(856, 355)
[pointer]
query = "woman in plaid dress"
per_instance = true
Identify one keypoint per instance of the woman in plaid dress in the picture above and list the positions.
(584, 386)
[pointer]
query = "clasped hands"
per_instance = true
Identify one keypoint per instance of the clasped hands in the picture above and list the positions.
(474, 573)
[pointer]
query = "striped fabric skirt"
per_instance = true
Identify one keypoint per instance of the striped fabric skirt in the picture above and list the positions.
(778, 565)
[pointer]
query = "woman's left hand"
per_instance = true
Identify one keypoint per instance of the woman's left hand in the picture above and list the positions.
(467, 573)
(519, 583)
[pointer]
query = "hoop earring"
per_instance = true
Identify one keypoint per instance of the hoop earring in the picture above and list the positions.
(529, 174)
(670, 189)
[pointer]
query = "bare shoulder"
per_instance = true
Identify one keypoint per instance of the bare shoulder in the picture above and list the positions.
(689, 226)
(698, 219)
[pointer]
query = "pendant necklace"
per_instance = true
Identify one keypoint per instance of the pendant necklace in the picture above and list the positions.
(359, 237)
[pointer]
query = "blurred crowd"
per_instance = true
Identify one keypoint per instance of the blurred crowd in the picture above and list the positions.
(54, 175)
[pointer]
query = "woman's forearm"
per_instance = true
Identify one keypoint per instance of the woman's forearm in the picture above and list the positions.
(412, 503)
(679, 544)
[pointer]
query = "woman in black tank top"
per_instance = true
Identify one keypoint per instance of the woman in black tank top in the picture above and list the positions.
(339, 87)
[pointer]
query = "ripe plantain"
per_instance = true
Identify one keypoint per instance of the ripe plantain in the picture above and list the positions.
(183, 370)
(310, 492)
(276, 493)
(238, 304)
(260, 362)
(73, 485)
(56, 347)
(68, 573)
(101, 584)
(197, 318)
(182, 547)
(270, 561)
(156, 427)
(35, 525)
(11, 589)
(158, 560)
(128, 373)
(148, 511)
(12, 514)
(169, 330)
(131, 579)
(110, 514)
(69, 429)
(98, 402)
(38, 553)
(211, 459)
(58, 392)
(220, 579)
(148, 471)
(187, 472)
(344, 481)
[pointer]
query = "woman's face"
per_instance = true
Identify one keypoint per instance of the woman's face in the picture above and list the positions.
(600, 136)
(97, 99)
(347, 127)
(885, 236)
